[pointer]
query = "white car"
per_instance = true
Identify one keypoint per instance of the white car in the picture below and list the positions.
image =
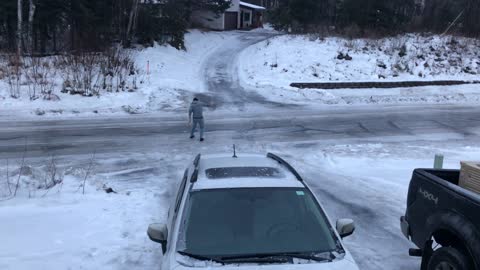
(251, 211)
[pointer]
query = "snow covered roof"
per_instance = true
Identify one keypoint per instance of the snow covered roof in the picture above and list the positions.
(226, 160)
(154, 2)
(283, 179)
(251, 6)
(247, 183)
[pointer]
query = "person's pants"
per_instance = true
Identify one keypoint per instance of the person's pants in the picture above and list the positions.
(199, 122)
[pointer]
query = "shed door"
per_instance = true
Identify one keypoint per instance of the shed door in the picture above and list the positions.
(231, 20)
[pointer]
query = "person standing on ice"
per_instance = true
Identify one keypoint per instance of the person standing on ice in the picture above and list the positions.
(195, 118)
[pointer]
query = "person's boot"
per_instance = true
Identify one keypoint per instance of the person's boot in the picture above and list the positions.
(193, 136)
(202, 139)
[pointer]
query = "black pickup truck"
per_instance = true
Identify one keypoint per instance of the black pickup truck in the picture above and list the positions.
(443, 221)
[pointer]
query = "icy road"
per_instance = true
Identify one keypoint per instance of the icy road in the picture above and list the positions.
(140, 133)
(357, 159)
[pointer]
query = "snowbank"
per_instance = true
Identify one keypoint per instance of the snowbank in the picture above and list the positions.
(271, 66)
(429, 95)
(61, 228)
(286, 59)
(173, 69)
(173, 77)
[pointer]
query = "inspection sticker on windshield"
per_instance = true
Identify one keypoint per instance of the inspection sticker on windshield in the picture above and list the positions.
(300, 193)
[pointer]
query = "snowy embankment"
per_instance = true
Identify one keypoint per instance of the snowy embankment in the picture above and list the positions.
(58, 227)
(172, 77)
(271, 67)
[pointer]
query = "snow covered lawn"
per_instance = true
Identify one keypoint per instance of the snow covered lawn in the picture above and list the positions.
(271, 66)
(286, 59)
(63, 229)
(174, 76)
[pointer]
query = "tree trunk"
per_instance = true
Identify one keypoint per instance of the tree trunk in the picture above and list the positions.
(19, 26)
(133, 15)
(35, 39)
(72, 26)
(31, 15)
(135, 20)
(54, 40)
(43, 39)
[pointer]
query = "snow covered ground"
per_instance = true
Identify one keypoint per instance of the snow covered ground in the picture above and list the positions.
(290, 58)
(268, 68)
(50, 224)
(174, 77)
(63, 229)
(271, 66)
(427, 95)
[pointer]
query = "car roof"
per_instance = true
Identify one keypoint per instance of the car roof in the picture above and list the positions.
(284, 178)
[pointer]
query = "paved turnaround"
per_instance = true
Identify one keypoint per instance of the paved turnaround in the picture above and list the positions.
(282, 123)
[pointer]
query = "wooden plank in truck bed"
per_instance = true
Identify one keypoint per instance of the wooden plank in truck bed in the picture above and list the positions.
(470, 176)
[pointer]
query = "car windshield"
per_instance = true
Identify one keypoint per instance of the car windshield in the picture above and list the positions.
(239, 222)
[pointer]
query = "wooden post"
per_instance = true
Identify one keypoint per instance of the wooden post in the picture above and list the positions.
(438, 162)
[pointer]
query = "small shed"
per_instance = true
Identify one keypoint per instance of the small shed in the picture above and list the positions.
(240, 15)
(251, 16)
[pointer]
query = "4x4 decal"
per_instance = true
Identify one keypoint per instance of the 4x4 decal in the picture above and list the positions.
(429, 196)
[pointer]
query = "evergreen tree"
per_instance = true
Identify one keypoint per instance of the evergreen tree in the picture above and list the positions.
(300, 14)
(169, 22)
(376, 14)
(439, 14)
(472, 18)
(8, 23)
(216, 6)
(52, 26)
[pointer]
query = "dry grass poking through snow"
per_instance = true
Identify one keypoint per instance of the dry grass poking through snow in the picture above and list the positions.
(288, 59)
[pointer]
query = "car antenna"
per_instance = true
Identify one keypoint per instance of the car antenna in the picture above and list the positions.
(234, 152)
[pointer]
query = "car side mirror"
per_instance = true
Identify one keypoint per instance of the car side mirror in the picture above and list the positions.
(158, 233)
(345, 227)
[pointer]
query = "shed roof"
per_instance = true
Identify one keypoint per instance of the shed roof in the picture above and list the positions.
(153, 2)
(248, 5)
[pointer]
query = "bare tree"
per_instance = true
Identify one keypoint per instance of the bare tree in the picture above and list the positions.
(21, 169)
(19, 27)
(52, 176)
(453, 23)
(14, 75)
(131, 21)
(32, 74)
(31, 15)
(8, 181)
(82, 74)
(19, 49)
(90, 165)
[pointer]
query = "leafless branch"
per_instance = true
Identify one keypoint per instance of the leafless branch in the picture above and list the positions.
(14, 75)
(8, 181)
(52, 174)
(21, 169)
(90, 165)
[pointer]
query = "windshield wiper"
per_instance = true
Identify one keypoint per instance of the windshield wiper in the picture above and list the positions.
(201, 257)
(241, 259)
(280, 257)
(255, 259)
(318, 257)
